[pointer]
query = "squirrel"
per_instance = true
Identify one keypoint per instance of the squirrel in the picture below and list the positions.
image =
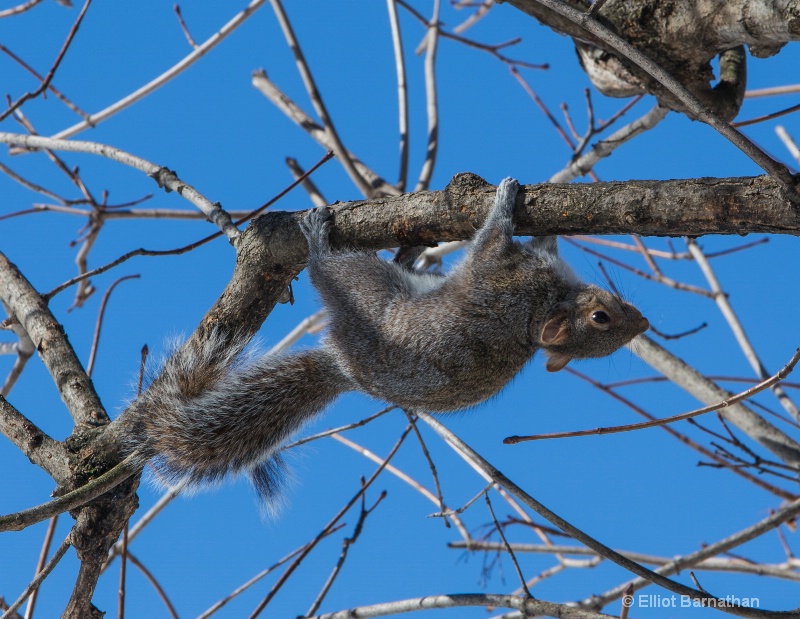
(416, 340)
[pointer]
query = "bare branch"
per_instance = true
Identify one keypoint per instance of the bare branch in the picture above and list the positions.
(48, 539)
(697, 108)
(44, 573)
(770, 381)
(318, 133)
(432, 105)
(20, 8)
(316, 100)
(71, 500)
(165, 177)
(165, 77)
(48, 78)
(74, 386)
(528, 606)
(726, 309)
(689, 379)
(402, 93)
(788, 142)
(476, 459)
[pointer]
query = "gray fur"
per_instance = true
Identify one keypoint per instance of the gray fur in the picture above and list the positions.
(412, 339)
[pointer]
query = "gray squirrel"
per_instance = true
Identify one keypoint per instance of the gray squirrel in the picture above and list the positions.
(416, 340)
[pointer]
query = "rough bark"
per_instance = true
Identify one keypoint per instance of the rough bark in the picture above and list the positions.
(272, 251)
(682, 36)
(30, 309)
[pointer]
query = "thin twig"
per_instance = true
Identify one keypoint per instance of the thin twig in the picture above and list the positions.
(177, 8)
(335, 431)
(784, 571)
(584, 164)
(122, 572)
(71, 500)
(152, 579)
(99, 324)
(402, 93)
(346, 543)
(51, 73)
(661, 279)
(772, 380)
(44, 573)
(725, 307)
(431, 101)
(48, 538)
(493, 49)
(316, 100)
(60, 96)
(412, 419)
(390, 468)
(532, 94)
(647, 575)
(311, 545)
(507, 546)
(185, 63)
(137, 528)
(765, 117)
(610, 390)
(239, 590)
(310, 187)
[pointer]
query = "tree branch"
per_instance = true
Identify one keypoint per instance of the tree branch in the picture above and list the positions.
(166, 178)
(74, 386)
(35, 444)
(528, 606)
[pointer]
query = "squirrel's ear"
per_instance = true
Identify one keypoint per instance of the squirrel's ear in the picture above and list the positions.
(555, 331)
(556, 362)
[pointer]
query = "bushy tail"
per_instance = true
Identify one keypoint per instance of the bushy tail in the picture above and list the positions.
(217, 411)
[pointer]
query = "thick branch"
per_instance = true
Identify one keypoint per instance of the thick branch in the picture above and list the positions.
(74, 386)
(681, 36)
(273, 250)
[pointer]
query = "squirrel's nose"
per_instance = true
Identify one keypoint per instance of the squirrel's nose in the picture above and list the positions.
(644, 324)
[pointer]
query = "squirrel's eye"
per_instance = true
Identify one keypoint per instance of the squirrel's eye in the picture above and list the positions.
(601, 317)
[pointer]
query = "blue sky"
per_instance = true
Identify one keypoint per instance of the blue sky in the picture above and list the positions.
(638, 491)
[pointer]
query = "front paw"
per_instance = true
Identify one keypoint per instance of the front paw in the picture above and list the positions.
(316, 226)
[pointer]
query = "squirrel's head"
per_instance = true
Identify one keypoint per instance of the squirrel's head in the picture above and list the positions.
(593, 323)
